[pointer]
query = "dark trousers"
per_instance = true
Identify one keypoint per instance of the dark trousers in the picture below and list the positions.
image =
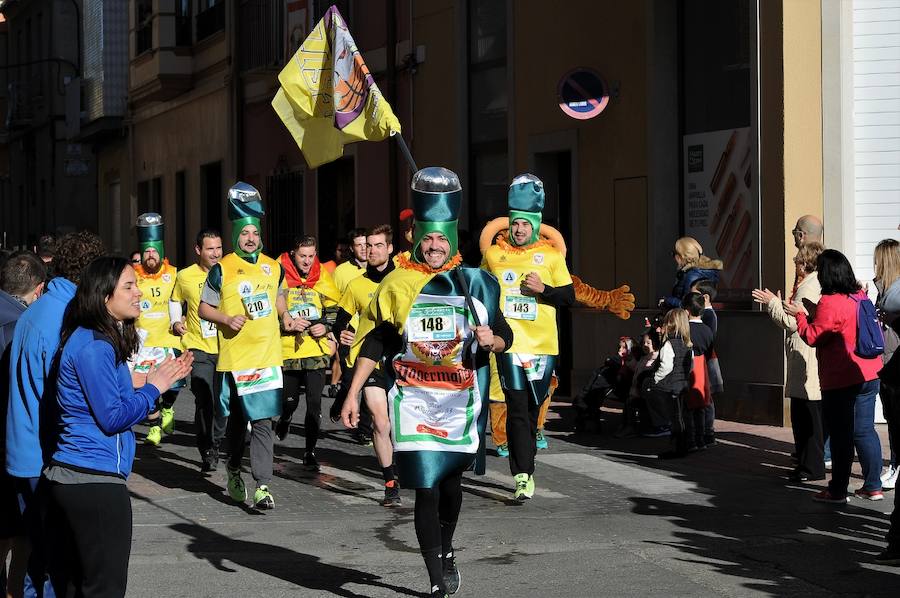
(209, 424)
(365, 416)
(38, 516)
(313, 383)
(893, 535)
(262, 440)
(167, 400)
(809, 437)
(521, 427)
(99, 518)
(890, 403)
(659, 408)
(682, 420)
(850, 418)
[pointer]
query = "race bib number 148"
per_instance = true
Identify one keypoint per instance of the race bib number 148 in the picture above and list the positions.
(429, 324)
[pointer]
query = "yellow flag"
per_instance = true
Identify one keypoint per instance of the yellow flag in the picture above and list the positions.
(328, 98)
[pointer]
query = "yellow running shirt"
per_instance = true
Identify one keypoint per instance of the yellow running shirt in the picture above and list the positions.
(346, 272)
(249, 290)
(533, 322)
(156, 289)
(354, 301)
(309, 304)
(200, 334)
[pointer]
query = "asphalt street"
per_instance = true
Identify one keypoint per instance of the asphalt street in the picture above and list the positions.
(609, 519)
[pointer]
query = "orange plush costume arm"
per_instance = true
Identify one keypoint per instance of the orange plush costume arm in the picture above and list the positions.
(619, 302)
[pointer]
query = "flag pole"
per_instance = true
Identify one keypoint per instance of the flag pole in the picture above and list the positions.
(405, 150)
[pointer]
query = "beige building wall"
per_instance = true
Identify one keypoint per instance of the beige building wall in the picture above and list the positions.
(185, 137)
(803, 174)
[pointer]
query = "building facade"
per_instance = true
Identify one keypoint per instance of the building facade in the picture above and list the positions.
(647, 121)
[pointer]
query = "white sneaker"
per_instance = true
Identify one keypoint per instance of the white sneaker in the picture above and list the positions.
(889, 477)
(828, 464)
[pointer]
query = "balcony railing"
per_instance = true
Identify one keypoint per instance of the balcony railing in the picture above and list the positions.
(262, 28)
(210, 21)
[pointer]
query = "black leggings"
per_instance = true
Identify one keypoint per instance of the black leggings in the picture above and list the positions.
(521, 426)
(437, 511)
(99, 518)
(313, 382)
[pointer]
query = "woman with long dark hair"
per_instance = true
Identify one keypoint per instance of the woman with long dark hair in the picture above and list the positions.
(97, 405)
(849, 382)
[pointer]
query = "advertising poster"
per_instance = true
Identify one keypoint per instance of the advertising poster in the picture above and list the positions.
(720, 207)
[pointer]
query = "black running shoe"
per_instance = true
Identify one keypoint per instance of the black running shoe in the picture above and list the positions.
(392, 494)
(451, 574)
(282, 428)
(310, 462)
(436, 592)
(210, 461)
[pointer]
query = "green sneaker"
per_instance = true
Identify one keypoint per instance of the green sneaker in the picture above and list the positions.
(167, 420)
(529, 487)
(503, 450)
(263, 499)
(154, 436)
(521, 492)
(541, 440)
(236, 488)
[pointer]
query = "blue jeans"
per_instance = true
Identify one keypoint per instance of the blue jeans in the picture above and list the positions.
(850, 418)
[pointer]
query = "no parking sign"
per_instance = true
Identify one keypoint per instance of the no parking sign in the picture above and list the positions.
(583, 93)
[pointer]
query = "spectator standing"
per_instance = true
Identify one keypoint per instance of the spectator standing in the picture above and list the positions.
(97, 406)
(849, 382)
(670, 380)
(887, 281)
(699, 394)
(692, 266)
(21, 282)
(34, 346)
(887, 272)
(802, 380)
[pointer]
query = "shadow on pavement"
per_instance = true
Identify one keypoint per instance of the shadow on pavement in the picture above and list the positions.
(303, 570)
(744, 519)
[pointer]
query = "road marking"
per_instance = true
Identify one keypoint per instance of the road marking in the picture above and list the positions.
(603, 469)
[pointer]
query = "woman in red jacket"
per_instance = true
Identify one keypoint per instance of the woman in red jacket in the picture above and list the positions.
(849, 382)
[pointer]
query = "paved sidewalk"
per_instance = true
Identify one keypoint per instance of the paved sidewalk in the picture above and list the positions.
(609, 519)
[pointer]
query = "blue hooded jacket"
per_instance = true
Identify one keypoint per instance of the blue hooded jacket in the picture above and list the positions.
(685, 279)
(34, 345)
(10, 311)
(97, 406)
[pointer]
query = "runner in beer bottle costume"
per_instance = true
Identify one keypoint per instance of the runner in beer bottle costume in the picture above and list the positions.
(241, 296)
(435, 322)
(156, 280)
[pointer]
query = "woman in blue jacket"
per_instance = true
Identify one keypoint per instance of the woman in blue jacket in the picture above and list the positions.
(97, 406)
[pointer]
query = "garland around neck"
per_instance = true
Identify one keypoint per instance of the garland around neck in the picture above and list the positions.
(407, 264)
(139, 270)
(507, 246)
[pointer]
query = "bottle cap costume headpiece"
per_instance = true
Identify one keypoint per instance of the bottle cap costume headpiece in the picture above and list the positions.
(244, 207)
(150, 233)
(436, 199)
(526, 202)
